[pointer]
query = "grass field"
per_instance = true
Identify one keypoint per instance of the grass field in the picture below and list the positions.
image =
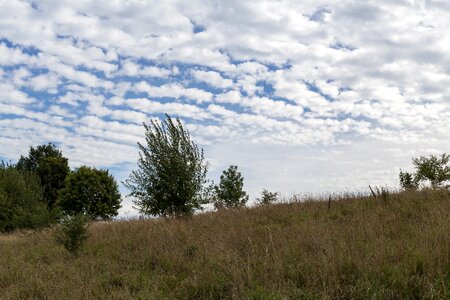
(397, 247)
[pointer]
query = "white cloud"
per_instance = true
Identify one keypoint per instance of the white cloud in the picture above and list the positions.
(129, 116)
(174, 91)
(9, 94)
(11, 57)
(277, 109)
(130, 68)
(45, 82)
(212, 78)
(229, 97)
(60, 111)
(82, 77)
(155, 107)
(110, 131)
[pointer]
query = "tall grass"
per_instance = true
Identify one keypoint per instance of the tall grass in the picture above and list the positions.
(352, 248)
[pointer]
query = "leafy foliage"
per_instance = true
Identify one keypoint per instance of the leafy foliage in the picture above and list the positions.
(21, 200)
(51, 167)
(72, 233)
(171, 171)
(408, 181)
(229, 192)
(433, 170)
(267, 197)
(92, 192)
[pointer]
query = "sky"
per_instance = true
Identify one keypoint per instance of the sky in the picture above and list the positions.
(304, 96)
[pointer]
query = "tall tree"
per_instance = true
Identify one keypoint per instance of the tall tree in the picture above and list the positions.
(50, 165)
(91, 192)
(171, 171)
(229, 192)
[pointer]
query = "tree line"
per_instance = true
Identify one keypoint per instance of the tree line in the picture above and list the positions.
(41, 189)
(170, 180)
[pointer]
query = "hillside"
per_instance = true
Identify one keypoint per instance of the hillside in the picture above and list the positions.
(394, 248)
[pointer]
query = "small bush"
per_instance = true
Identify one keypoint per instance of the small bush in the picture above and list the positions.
(267, 197)
(72, 233)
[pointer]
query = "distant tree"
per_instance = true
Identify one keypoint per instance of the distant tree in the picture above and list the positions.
(21, 200)
(51, 167)
(171, 171)
(91, 192)
(267, 197)
(229, 192)
(433, 170)
(408, 181)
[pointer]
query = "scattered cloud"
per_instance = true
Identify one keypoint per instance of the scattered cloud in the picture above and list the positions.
(314, 91)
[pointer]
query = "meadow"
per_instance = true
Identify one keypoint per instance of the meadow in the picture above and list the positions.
(395, 246)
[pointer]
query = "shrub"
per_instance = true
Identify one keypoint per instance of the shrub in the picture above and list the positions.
(408, 181)
(171, 171)
(267, 197)
(21, 200)
(72, 233)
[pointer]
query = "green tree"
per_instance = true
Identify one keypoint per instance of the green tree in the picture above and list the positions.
(408, 181)
(229, 192)
(51, 167)
(267, 197)
(91, 192)
(433, 170)
(21, 200)
(171, 171)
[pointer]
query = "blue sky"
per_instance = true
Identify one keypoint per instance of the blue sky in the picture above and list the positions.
(304, 96)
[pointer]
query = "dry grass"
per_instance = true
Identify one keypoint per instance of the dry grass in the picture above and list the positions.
(361, 248)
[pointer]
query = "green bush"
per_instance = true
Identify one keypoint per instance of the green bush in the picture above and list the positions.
(72, 233)
(21, 201)
(267, 197)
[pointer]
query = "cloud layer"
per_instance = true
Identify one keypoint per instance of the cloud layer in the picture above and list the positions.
(304, 95)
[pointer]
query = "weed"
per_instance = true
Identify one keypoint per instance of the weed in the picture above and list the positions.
(72, 233)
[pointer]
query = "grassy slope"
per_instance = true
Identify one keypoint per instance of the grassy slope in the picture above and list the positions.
(360, 248)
